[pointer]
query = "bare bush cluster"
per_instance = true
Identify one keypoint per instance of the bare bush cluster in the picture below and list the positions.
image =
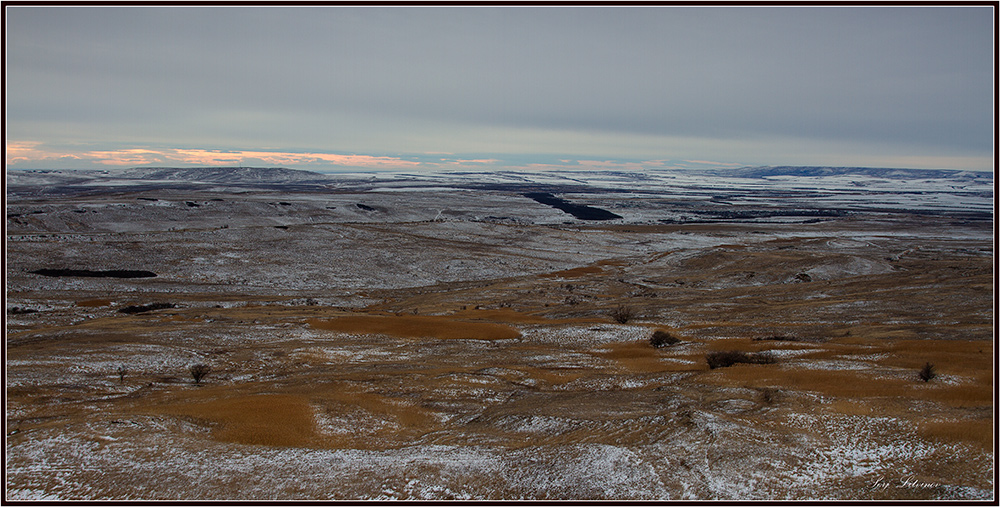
(726, 358)
(769, 395)
(662, 339)
(927, 372)
(622, 314)
(200, 371)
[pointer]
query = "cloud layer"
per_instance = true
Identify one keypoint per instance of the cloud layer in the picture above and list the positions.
(749, 85)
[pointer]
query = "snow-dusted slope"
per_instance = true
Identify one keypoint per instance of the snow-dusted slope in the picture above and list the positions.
(224, 175)
(839, 188)
(141, 176)
(862, 172)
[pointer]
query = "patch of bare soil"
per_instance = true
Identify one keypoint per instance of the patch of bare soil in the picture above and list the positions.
(514, 384)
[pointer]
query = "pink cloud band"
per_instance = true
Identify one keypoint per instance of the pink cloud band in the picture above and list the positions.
(22, 152)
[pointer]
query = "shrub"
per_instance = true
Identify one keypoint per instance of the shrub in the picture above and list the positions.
(769, 395)
(927, 372)
(662, 338)
(730, 357)
(622, 314)
(723, 359)
(199, 371)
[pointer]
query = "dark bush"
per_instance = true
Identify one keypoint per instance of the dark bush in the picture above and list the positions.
(723, 359)
(726, 358)
(622, 314)
(199, 371)
(927, 372)
(662, 339)
(769, 395)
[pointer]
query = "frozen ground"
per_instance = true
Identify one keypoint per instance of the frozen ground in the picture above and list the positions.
(851, 280)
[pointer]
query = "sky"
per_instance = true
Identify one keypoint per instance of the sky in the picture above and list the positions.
(413, 88)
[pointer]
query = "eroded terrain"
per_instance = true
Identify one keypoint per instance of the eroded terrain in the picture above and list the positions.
(451, 343)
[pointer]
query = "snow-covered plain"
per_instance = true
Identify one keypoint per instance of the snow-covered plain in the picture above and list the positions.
(855, 265)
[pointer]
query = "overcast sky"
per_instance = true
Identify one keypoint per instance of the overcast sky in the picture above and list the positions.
(343, 88)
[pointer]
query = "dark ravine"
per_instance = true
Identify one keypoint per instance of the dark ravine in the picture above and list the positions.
(577, 210)
(146, 308)
(110, 273)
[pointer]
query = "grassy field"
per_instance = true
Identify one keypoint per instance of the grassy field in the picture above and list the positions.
(523, 386)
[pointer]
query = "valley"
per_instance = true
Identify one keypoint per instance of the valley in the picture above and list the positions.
(452, 336)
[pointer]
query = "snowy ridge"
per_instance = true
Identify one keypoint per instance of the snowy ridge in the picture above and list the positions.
(273, 175)
(831, 188)
(569, 176)
(872, 172)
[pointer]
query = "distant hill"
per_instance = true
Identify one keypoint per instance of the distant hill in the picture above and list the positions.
(68, 181)
(224, 175)
(874, 172)
(49, 182)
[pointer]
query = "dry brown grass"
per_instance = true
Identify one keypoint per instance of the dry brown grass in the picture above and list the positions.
(377, 421)
(507, 315)
(851, 407)
(263, 419)
(979, 433)
(949, 356)
(179, 318)
(966, 395)
(840, 384)
(633, 356)
(574, 272)
(886, 379)
(641, 357)
(417, 327)
(613, 262)
(553, 376)
(93, 303)
(290, 419)
(749, 345)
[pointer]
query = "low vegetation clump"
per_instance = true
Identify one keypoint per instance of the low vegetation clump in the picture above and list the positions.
(769, 395)
(414, 326)
(622, 314)
(927, 372)
(662, 339)
(726, 358)
(200, 371)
